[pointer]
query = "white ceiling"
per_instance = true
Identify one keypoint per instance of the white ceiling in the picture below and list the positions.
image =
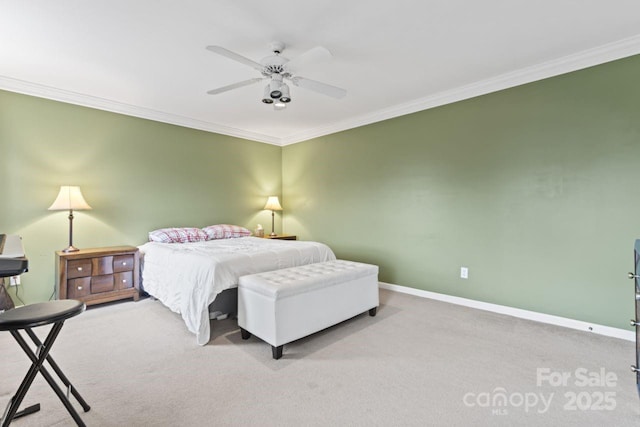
(147, 58)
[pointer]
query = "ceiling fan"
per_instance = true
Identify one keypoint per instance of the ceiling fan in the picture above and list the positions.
(278, 70)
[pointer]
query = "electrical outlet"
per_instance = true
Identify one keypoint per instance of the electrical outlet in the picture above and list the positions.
(14, 280)
(464, 273)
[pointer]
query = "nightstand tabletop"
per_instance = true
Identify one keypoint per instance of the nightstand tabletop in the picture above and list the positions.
(282, 237)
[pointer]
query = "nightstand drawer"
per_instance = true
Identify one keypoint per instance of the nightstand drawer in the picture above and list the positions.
(78, 288)
(79, 268)
(122, 263)
(102, 265)
(123, 280)
(101, 284)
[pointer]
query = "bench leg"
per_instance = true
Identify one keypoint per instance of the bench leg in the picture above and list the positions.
(373, 311)
(245, 334)
(276, 351)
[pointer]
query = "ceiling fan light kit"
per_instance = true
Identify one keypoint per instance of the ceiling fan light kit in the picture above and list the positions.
(284, 89)
(276, 84)
(276, 69)
(267, 95)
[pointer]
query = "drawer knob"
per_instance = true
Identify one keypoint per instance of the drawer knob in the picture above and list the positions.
(79, 288)
(79, 268)
(124, 280)
(124, 263)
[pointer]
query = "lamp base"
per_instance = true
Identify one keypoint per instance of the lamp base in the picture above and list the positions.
(272, 234)
(71, 248)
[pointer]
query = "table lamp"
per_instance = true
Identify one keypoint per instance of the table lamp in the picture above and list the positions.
(273, 205)
(69, 198)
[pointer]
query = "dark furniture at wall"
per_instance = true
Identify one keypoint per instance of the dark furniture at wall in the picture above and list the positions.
(98, 275)
(13, 262)
(281, 237)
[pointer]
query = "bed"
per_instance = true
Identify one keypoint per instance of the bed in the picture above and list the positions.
(187, 277)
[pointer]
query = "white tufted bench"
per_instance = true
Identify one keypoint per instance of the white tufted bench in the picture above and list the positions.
(285, 305)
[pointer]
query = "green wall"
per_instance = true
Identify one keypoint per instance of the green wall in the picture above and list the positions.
(136, 174)
(534, 189)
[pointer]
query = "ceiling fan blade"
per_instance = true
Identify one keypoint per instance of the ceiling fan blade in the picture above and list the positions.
(323, 88)
(234, 86)
(236, 57)
(315, 54)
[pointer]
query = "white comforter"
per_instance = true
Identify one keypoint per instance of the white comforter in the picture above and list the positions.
(186, 277)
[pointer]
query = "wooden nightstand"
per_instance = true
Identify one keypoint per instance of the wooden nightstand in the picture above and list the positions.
(281, 237)
(98, 275)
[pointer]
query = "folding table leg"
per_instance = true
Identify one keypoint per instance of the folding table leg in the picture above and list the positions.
(27, 411)
(61, 375)
(16, 400)
(37, 365)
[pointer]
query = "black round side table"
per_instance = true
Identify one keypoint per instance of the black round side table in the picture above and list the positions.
(28, 317)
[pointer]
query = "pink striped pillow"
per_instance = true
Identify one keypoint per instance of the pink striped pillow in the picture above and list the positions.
(177, 235)
(225, 231)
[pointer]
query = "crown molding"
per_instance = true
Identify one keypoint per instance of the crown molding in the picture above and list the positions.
(587, 58)
(69, 97)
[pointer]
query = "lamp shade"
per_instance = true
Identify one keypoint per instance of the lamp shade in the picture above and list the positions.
(273, 204)
(69, 198)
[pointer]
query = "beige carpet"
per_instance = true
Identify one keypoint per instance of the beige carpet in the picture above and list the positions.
(418, 362)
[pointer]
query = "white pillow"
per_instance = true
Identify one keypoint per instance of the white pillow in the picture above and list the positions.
(177, 235)
(225, 231)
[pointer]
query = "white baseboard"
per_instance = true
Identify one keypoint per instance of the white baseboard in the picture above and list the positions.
(516, 312)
